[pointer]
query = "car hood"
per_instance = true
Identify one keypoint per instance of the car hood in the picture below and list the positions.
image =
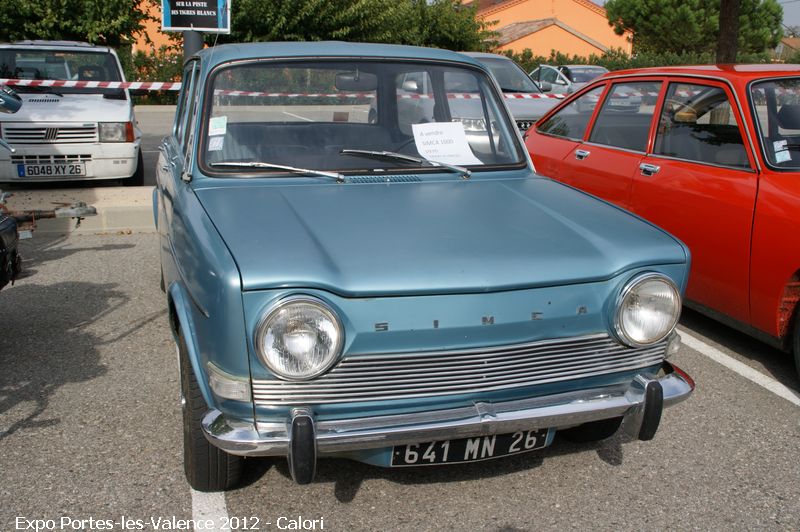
(431, 237)
(44, 107)
(520, 108)
(530, 109)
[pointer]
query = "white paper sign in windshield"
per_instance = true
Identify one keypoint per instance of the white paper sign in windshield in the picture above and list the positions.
(444, 142)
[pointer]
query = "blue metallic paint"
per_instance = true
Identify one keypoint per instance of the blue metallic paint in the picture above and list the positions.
(444, 234)
(443, 249)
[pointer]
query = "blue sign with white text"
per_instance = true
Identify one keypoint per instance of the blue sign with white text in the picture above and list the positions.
(209, 16)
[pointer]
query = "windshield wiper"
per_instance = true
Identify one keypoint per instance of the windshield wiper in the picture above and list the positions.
(258, 164)
(465, 173)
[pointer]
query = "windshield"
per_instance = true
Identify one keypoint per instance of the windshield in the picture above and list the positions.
(26, 63)
(776, 106)
(584, 75)
(509, 76)
(313, 114)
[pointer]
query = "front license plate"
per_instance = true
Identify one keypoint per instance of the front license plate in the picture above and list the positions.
(468, 449)
(51, 170)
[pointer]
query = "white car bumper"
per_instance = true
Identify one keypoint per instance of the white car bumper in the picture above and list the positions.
(109, 160)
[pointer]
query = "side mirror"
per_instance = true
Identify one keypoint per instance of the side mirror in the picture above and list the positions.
(545, 86)
(410, 85)
(10, 102)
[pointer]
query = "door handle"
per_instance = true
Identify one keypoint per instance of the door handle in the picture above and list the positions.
(649, 170)
(582, 154)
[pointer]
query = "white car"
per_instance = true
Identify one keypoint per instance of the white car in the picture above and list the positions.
(68, 133)
(566, 78)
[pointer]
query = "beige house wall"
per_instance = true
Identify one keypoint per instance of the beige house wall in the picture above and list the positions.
(586, 19)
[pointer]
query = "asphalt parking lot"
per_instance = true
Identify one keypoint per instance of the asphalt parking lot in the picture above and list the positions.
(90, 429)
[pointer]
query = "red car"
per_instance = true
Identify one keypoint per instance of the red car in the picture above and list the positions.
(709, 153)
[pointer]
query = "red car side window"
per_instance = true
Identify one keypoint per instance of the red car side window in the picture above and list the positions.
(698, 124)
(625, 118)
(571, 121)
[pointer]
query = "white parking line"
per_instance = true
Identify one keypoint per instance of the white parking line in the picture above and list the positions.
(742, 369)
(210, 506)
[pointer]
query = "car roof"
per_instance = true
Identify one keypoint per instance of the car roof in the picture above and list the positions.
(56, 45)
(327, 49)
(578, 67)
(730, 72)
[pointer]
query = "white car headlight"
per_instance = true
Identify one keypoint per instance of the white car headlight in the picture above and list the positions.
(648, 309)
(299, 338)
(115, 131)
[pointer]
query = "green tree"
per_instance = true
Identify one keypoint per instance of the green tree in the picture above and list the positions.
(692, 26)
(440, 23)
(109, 22)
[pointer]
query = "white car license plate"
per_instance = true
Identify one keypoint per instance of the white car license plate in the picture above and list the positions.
(468, 449)
(51, 170)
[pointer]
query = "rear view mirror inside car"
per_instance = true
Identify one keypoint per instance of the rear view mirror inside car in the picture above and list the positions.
(356, 81)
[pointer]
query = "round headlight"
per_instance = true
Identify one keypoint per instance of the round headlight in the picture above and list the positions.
(648, 309)
(299, 338)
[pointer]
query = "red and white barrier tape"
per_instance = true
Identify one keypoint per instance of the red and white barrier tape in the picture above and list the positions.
(176, 85)
(145, 85)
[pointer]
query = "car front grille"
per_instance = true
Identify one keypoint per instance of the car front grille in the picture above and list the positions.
(49, 135)
(50, 159)
(411, 375)
(525, 125)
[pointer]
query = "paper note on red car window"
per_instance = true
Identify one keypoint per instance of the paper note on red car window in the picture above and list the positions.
(444, 142)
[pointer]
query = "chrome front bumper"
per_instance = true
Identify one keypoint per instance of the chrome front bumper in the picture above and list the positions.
(553, 411)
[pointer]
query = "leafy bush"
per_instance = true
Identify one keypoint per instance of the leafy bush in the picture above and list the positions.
(165, 64)
(616, 59)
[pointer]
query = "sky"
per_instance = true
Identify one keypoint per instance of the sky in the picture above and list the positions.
(791, 11)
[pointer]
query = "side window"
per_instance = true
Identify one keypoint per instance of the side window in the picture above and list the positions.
(697, 123)
(191, 112)
(187, 89)
(625, 118)
(571, 121)
(414, 100)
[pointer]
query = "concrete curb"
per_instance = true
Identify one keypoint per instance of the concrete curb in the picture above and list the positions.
(119, 209)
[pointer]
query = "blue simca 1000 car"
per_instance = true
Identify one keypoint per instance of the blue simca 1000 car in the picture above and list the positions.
(360, 261)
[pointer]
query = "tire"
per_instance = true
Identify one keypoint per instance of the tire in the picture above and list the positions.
(207, 468)
(137, 179)
(592, 431)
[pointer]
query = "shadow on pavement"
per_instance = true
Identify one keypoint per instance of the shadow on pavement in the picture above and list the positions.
(348, 476)
(39, 355)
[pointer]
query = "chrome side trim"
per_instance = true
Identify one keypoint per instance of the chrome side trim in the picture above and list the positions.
(553, 411)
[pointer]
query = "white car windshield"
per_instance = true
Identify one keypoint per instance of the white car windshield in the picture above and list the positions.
(356, 116)
(30, 63)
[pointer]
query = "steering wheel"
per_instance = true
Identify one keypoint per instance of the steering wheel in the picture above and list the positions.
(403, 145)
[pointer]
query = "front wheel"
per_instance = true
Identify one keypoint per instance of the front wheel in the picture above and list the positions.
(207, 468)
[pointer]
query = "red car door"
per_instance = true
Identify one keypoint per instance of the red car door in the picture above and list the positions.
(699, 184)
(605, 163)
(551, 140)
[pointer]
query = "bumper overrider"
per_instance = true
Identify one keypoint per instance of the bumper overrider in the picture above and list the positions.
(302, 438)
